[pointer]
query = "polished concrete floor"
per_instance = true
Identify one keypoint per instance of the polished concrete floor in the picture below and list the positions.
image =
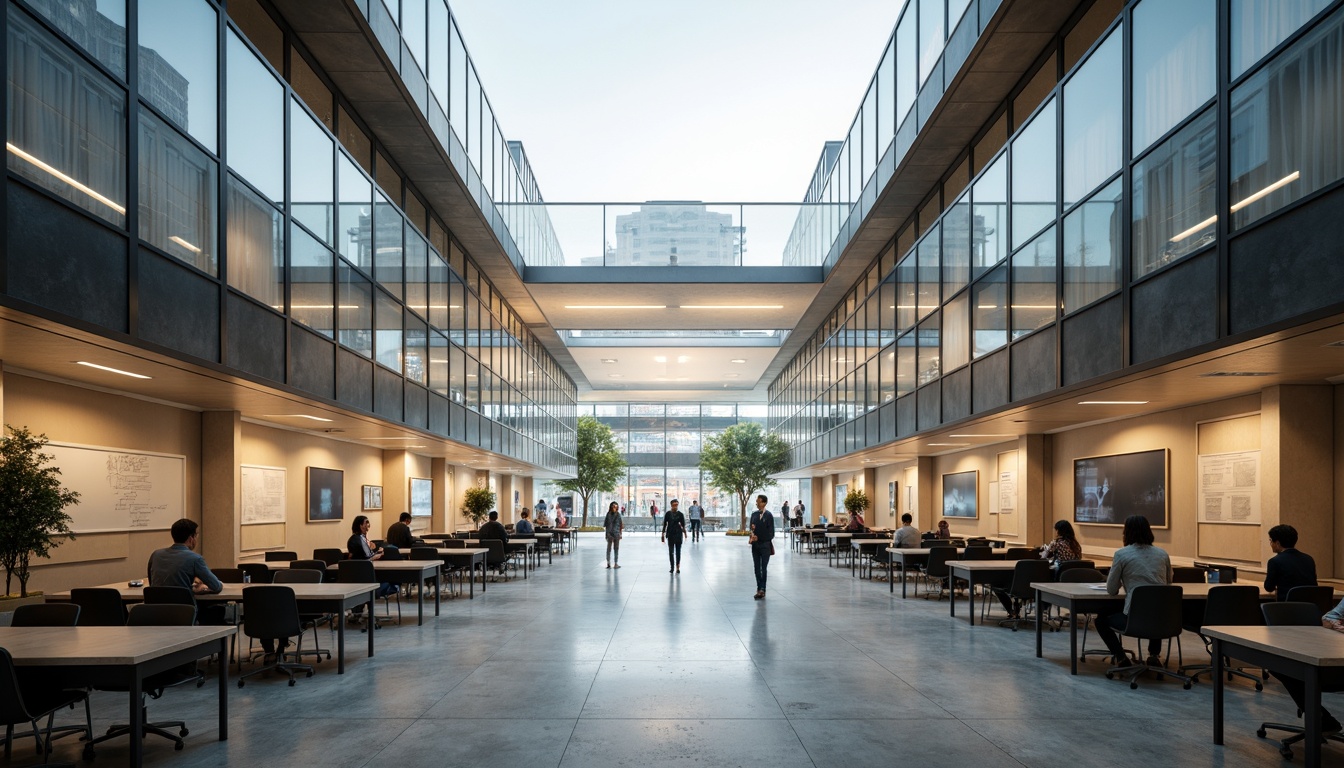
(584, 666)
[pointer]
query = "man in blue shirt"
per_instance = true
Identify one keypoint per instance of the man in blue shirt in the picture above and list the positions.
(179, 566)
(524, 526)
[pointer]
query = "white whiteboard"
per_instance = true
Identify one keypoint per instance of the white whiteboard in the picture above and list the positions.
(121, 490)
(263, 494)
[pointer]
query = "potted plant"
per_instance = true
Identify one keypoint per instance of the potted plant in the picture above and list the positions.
(32, 507)
(477, 503)
(856, 502)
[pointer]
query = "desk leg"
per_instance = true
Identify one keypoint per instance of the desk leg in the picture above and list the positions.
(970, 595)
(420, 602)
(137, 719)
(223, 691)
(1038, 623)
(951, 594)
(903, 580)
(1217, 691)
(1073, 639)
(372, 623)
(340, 641)
(891, 574)
(1312, 717)
(438, 589)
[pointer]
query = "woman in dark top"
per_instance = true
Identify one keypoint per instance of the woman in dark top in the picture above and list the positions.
(357, 547)
(1065, 546)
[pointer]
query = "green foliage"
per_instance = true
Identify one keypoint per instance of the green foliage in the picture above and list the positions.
(477, 503)
(856, 501)
(741, 459)
(32, 505)
(600, 463)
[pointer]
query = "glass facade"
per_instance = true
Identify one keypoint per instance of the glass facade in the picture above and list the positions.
(1075, 210)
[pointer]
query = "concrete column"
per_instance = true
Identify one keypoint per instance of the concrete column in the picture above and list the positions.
(221, 481)
(1034, 499)
(441, 515)
(876, 516)
(528, 491)
(396, 490)
(1297, 470)
(929, 513)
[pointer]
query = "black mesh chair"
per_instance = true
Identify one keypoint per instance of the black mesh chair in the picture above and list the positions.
(1322, 597)
(229, 575)
(46, 615)
(391, 552)
(292, 575)
(320, 566)
(1154, 614)
(281, 556)
(1084, 576)
(1021, 553)
(270, 612)
(431, 553)
(259, 573)
(330, 556)
(170, 596)
(1186, 574)
(31, 700)
(1292, 614)
(1020, 592)
(937, 570)
(1066, 565)
(497, 557)
(1232, 605)
(362, 572)
(99, 606)
(153, 687)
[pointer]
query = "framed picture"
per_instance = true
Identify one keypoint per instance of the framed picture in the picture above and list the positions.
(891, 498)
(959, 494)
(1108, 489)
(373, 497)
(422, 497)
(326, 495)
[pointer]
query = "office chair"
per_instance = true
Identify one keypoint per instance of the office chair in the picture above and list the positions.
(45, 615)
(1154, 613)
(28, 702)
(99, 607)
(1232, 605)
(1292, 614)
(1020, 592)
(1322, 597)
(281, 556)
(294, 575)
(270, 612)
(1085, 576)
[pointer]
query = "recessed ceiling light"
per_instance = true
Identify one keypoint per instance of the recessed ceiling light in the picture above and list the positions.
(391, 438)
(296, 416)
(609, 360)
(732, 306)
(738, 360)
(950, 445)
(660, 358)
(1113, 402)
(1334, 344)
(982, 435)
(731, 375)
(614, 375)
(615, 306)
(113, 370)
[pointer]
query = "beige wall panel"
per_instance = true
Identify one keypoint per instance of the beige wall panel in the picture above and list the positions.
(1241, 433)
(1230, 542)
(270, 536)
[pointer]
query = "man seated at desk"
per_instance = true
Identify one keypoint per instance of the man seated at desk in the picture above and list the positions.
(524, 526)
(399, 533)
(907, 536)
(179, 566)
(1288, 567)
(493, 530)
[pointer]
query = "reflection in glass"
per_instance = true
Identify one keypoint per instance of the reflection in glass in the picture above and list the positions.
(1092, 249)
(457, 374)
(98, 27)
(256, 121)
(907, 288)
(178, 64)
(471, 387)
(1285, 125)
(311, 188)
(66, 123)
(927, 341)
(1034, 285)
(886, 95)
(989, 224)
(907, 63)
(387, 241)
(177, 195)
(928, 272)
(885, 305)
(1173, 201)
(887, 375)
(356, 195)
(439, 379)
(310, 281)
(457, 81)
(457, 293)
(1260, 25)
(906, 364)
(256, 246)
(1092, 120)
(1034, 165)
(417, 352)
(989, 305)
(957, 245)
(1174, 67)
(355, 311)
(956, 332)
(387, 331)
(932, 34)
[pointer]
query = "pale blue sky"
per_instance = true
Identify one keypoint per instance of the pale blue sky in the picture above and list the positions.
(631, 100)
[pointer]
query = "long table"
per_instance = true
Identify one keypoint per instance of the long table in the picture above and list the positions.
(327, 597)
(968, 569)
(120, 657)
(1300, 652)
(908, 557)
(407, 572)
(469, 555)
(1082, 598)
(859, 545)
(833, 545)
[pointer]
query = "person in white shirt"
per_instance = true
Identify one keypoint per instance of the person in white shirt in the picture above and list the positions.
(695, 516)
(907, 536)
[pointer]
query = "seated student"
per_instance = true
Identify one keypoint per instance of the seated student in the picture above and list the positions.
(907, 536)
(1065, 546)
(1288, 567)
(1134, 565)
(357, 547)
(524, 526)
(399, 533)
(542, 519)
(179, 565)
(493, 529)
(856, 523)
(944, 532)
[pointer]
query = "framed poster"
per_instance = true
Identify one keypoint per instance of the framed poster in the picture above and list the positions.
(891, 498)
(959, 494)
(422, 494)
(326, 495)
(263, 498)
(373, 497)
(1108, 489)
(1229, 488)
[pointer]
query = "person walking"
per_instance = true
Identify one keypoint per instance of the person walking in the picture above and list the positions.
(696, 516)
(674, 532)
(762, 527)
(614, 527)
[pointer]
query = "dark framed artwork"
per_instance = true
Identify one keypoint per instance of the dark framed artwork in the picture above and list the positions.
(1108, 489)
(373, 497)
(326, 495)
(960, 494)
(422, 497)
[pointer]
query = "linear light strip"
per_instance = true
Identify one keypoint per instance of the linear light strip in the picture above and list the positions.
(615, 306)
(113, 370)
(1285, 181)
(68, 180)
(732, 306)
